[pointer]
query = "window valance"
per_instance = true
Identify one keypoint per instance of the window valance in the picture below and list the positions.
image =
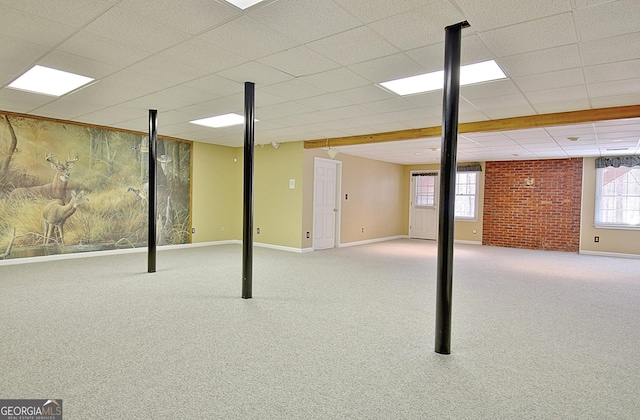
(424, 174)
(617, 161)
(469, 167)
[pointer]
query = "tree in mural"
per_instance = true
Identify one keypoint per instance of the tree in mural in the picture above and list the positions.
(10, 150)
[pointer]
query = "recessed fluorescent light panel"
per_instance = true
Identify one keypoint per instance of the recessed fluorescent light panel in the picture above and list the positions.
(243, 4)
(225, 120)
(49, 81)
(469, 74)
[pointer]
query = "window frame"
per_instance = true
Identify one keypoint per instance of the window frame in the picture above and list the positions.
(597, 222)
(474, 217)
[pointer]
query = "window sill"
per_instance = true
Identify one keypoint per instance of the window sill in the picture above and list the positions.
(466, 219)
(617, 227)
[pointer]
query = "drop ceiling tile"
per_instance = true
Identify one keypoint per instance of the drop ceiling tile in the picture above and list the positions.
(16, 57)
(612, 71)
(248, 38)
(618, 87)
(389, 105)
(426, 99)
(428, 121)
(471, 116)
(166, 69)
(214, 84)
(203, 56)
(69, 12)
(531, 36)
(282, 110)
(75, 64)
(21, 101)
(299, 61)
(353, 46)
(365, 94)
(554, 59)
(557, 95)
(608, 19)
(298, 19)
(128, 28)
(608, 50)
(499, 102)
(431, 57)
(571, 130)
(351, 111)
(335, 80)
(488, 89)
(620, 100)
(255, 72)
(509, 12)
(191, 18)
(418, 27)
(527, 133)
(562, 106)
(371, 10)
(114, 115)
(293, 89)
(551, 80)
(410, 115)
(387, 68)
(28, 27)
(67, 109)
(515, 111)
(326, 101)
(97, 48)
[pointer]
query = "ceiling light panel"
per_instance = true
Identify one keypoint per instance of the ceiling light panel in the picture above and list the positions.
(219, 121)
(244, 4)
(48, 81)
(469, 74)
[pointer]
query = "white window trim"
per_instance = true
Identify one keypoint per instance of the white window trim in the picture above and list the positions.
(602, 225)
(475, 211)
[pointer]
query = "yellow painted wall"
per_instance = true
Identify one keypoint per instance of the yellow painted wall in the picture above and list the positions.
(217, 193)
(622, 241)
(463, 229)
(277, 207)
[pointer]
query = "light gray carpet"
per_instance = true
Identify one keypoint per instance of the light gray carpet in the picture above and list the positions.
(338, 334)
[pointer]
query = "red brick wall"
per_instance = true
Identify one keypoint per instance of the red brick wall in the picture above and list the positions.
(544, 216)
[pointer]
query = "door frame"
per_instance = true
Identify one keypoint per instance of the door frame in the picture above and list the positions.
(411, 197)
(336, 234)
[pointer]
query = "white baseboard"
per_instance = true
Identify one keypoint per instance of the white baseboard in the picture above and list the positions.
(370, 241)
(609, 254)
(460, 241)
(279, 247)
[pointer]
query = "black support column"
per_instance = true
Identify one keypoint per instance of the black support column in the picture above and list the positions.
(247, 238)
(451, 97)
(153, 140)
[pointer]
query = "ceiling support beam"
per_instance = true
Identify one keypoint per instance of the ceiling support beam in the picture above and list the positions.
(503, 124)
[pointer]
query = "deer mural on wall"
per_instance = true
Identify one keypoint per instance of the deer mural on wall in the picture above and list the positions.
(57, 188)
(55, 213)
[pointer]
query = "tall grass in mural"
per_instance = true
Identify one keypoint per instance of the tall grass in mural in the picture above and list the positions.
(90, 185)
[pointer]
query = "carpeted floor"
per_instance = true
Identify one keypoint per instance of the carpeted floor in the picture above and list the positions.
(338, 334)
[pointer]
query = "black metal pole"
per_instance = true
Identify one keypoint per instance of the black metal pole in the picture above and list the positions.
(446, 210)
(153, 140)
(247, 239)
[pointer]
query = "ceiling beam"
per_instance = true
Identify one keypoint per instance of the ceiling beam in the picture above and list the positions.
(504, 124)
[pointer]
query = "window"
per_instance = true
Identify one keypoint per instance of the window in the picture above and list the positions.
(425, 189)
(466, 195)
(618, 196)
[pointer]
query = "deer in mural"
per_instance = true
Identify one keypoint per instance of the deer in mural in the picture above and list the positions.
(55, 213)
(57, 188)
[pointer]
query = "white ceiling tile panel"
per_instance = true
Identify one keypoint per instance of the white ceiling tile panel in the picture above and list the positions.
(554, 59)
(470, 116)
(617, 87)
(418, 27)
(20, 101)
(410, 115)
(120, 25)
(71, 12)
(551, 80)
(203, 55)
(607, 50)
(353, 46)
(326, 101)
(214, 84)
(293, 89)
(113, 115)
(248, 38)
(426, 99)
(388, 68)
(166, 69)
(625, 13)
(299, 61)
(488, 89)
(431, 57)
(255, 72)
(552, 107)
(612, 71)
(531, 36)
(28, 27)
(365, 94)
(427, 122)
(371, 10)
(68, 109)
(498, 102)
(98, 48)
(298, 19)
(384, 106)
(335, 80)
(557, 95)
(515, 111)
(509, 12)
(16, 57)
(75, 64)
(620, 100)
(190, 18)
(282, 110)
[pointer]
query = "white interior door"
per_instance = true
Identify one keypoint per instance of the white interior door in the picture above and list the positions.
(325, 209)
(423, 219)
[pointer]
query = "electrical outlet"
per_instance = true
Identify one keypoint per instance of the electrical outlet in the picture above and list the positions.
(308, 235)
(362, 230)
(596, 239)
(258, 231)
(193, 230)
